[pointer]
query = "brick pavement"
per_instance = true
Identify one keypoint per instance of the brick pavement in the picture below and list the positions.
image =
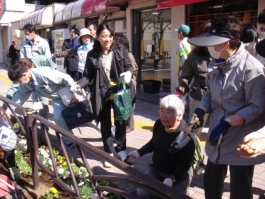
(145, 115)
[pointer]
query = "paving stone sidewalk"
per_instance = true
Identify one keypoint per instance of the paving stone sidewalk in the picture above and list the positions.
(146, 114)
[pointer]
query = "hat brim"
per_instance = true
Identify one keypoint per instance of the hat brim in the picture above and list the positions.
(260, 48)
(207, 39)
(177, 30)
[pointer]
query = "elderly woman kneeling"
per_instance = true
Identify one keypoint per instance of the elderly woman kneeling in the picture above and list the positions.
(171, 162)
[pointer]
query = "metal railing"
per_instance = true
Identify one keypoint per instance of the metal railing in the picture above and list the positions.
(146, 182)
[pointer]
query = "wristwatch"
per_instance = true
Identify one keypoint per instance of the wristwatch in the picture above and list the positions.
(173, 179)
(228, 120)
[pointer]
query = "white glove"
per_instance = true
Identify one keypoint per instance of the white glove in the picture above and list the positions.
(127, 76)
(168, 182)
(78, 89)
(131, 157)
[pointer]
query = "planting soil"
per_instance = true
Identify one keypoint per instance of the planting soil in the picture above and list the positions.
(25, 189)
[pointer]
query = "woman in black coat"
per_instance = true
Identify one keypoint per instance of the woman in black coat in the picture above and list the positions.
(105, 64)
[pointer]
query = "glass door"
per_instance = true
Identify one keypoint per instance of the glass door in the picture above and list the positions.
(155, 45)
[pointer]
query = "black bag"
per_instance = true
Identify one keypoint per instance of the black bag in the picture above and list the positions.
(77, 114)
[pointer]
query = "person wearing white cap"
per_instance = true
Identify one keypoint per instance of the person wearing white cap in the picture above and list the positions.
(184, 47)
(8, 142)
(86, 44)
(235, 102)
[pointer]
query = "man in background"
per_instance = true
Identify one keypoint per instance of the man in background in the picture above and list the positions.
(34, 44)
(71, 61)
(13, 53)
(92, 28)
(184, 47)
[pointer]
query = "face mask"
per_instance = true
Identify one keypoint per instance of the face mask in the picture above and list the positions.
(28, 37)
(214, 54)
(24, 82)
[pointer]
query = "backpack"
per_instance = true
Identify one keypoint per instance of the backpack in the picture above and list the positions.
(182, 139)
(198, 165)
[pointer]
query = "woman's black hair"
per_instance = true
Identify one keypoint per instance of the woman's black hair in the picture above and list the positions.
(97, 46)
(122, 39)
(249, 34)
(16, 71)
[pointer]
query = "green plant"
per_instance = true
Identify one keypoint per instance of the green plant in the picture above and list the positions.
(50, 195)
(23, 166)
(85, 191)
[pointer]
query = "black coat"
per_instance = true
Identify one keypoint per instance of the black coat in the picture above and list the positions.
(13, 52)
(70, 62)
(100, 85)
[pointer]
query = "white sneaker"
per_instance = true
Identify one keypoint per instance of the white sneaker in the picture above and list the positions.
(122, 155)
(107, 164)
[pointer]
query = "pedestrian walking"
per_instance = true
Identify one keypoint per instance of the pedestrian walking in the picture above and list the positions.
(34, 44)
(183, 48)
(105, 64)
(70, 61)
(13, 53)
(122, 39)
(192, 77)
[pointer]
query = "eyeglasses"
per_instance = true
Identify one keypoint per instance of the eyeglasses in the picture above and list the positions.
(166, 112)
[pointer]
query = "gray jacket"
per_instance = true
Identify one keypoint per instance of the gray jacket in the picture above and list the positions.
(30, 49)
(47, 81)
(236, 86)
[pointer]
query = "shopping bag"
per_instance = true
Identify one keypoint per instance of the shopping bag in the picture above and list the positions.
(122, 102)
(77, 114)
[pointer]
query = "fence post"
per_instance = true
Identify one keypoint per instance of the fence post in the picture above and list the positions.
(32, 129)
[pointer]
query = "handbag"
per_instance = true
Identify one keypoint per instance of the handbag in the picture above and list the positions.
(77, 114)
(66, 95)
(122, 102)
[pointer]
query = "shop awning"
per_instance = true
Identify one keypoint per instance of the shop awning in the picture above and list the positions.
(83, 8)
(69, 12)
(42, 17)
(172, 3)
(117, 3)
(98, 7)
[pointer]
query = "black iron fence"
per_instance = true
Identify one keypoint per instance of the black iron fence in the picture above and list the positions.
(29, 128)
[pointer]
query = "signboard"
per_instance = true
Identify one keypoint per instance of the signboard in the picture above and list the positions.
(1, 5)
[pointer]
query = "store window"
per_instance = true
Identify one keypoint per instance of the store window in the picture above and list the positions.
(245, 10)
(156, 44)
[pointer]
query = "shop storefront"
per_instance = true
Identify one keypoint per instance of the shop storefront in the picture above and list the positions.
(154, 40)
(246, 11)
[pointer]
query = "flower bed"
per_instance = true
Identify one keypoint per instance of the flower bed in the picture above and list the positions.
(54, 191)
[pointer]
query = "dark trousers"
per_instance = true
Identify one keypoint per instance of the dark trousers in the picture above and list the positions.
(10, 157)
(120, 135)
(13, 61)
(240, 181)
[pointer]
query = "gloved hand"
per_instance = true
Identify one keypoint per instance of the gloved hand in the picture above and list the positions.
(15, 173)
(178, 94)
(127, 76)
(218, 132)
(198, 113)
(168, 182)
(78, 89)
(131, 157)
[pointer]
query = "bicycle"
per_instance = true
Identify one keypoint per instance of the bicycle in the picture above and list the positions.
(8, 60)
